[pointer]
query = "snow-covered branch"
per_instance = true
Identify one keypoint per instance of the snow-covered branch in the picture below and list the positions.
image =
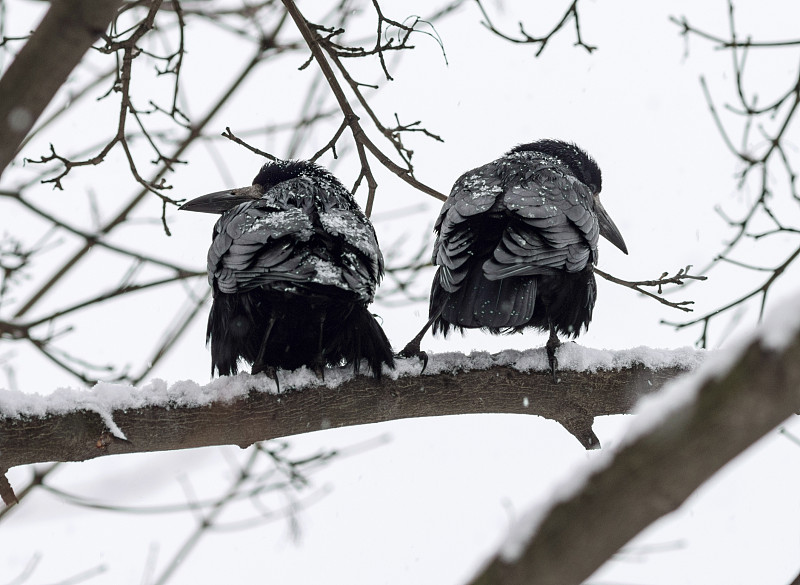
(679, 439)
(75, 425)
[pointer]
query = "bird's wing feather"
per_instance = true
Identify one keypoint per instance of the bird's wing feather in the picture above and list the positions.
(473, 194)
(361, 259)
(552, 225)
(301, 231)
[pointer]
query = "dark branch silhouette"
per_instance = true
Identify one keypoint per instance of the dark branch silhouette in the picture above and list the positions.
(679, 279)
(573, 402)
(43, 64)
(768, 163)
(525, 38)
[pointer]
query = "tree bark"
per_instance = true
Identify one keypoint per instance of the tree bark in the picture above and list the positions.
(42, 66)
(655, 473)
(573, 402)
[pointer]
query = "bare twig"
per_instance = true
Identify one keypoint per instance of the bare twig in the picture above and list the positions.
(762, 291)
(764, 158)
(231, 136)
(363, 143)
(524, 38)
(43, 64)
(679, 278)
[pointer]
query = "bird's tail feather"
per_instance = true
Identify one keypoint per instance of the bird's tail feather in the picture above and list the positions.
(479, 302)
(229, 328)
(363, 338)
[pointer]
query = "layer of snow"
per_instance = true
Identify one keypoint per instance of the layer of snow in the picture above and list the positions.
(571, 356)
(778, 329)
(354, 229)
(105, 398)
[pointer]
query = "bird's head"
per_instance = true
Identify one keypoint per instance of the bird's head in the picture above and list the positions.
(577, 160)
(587, 172)
(271, 174)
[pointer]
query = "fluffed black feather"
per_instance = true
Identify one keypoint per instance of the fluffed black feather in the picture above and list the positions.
(293, 272)
(516, 243)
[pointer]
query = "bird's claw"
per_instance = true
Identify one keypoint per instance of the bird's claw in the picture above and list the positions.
(552, 345)
(553, 361)
(424, 357)
(269, 371)
(412, 350)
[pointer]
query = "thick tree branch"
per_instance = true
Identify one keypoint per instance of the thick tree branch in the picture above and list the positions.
(62, 38)
(656, 472)
(258, 416)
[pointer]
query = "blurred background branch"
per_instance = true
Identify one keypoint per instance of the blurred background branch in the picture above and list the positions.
(769, 160)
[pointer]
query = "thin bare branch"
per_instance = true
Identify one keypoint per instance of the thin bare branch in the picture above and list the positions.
(43, 64)
(363, 143)
(679, 278)
(762, 157)
(525, 38)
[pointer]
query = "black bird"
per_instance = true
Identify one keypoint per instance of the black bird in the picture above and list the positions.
(293, 265)
(516, 245)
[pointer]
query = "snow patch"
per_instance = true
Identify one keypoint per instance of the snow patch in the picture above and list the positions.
(571, 356)
(105, 398)
(782, 323)
(780, 327)
(355, 230)
(328, 273)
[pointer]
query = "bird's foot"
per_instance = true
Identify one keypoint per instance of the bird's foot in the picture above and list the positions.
(552, 360)
(270, 371)
(319, 370)
(412, 350)
(552, 345)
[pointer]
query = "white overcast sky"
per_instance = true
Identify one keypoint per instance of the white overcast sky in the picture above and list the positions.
(424, 499)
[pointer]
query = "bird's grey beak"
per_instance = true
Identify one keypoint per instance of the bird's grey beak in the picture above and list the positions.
(222, 201)
(608, 228)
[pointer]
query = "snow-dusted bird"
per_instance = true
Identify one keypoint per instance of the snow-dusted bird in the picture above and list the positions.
(293, 265)
(516, 246)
